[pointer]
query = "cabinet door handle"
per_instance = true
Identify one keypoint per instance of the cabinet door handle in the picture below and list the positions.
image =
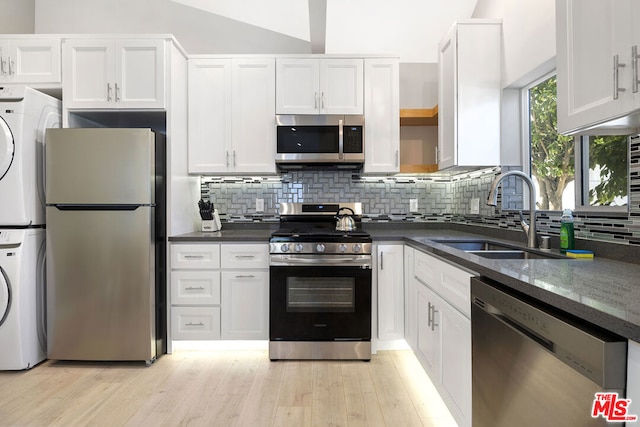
(322, 103)
(616, 71)
(433, 318)
(234, 158)
(108, 91)
(397, 157)
(381, 260)
(11, 68)
(429, 315)
(634, 67)
(315, 102)
(227, 157)
(437, 154)
(2, 61)
(117, 97)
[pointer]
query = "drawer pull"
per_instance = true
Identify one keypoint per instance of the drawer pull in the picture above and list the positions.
(194, 257)
(245, 276)
(194, 288)
(245, 256)
(194, 324)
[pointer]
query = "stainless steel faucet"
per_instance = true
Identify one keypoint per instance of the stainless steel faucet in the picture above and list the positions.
(529, 229)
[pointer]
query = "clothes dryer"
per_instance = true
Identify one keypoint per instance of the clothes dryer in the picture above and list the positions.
(25, 114)
(22, 298)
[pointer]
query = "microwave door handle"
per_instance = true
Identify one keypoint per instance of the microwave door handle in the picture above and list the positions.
(340, 139)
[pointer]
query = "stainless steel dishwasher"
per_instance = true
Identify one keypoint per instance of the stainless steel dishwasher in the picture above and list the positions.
(535, 367)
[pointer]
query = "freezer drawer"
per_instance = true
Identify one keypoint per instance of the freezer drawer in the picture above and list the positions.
(100, 284)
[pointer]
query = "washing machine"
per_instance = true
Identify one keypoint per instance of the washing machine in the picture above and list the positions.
(22, 298)
(25, 114)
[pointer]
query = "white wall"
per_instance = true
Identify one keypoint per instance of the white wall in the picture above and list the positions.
(17, 16)
(529, 35)
(410, 29)
(196, 30)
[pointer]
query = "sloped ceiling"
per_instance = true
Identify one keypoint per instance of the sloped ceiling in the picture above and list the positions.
(410, 29)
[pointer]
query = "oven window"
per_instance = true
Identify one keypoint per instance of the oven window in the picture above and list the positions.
(320, 294)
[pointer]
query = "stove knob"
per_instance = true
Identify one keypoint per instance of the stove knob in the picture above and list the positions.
(342, 247)
(320, 247)
(299, 247)
(357, 248)
(284, 248)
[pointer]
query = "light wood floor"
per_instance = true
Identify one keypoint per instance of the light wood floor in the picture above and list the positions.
(224, 388)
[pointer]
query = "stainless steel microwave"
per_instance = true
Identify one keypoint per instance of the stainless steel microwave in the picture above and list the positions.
(320, 141)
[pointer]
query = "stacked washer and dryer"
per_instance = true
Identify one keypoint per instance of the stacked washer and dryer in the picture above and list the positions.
(25, 114)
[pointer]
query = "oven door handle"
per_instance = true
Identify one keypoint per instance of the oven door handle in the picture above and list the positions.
(354, 261)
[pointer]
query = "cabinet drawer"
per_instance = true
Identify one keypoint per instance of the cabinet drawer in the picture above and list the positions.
(195, 287)
(451, 283)
(424, 269)
(456, 287)
(195, 323)
(245, 256)
(196, 256)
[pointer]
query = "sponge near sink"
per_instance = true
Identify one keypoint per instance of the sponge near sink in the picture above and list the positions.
(576, 253)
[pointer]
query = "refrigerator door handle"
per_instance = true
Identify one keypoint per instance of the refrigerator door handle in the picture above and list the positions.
(68, 207)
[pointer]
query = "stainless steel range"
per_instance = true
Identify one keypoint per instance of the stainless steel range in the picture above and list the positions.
(320, 284)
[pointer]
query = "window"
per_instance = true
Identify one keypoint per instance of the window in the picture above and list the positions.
(603, 170)
(585, 173)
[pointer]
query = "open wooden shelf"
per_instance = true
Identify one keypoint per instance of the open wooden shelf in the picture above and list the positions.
(418, 168)
(419, 116)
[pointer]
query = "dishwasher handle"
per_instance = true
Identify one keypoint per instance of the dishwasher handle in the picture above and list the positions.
(513, 324)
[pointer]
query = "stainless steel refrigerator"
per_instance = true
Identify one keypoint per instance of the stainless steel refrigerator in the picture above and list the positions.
(106, 258)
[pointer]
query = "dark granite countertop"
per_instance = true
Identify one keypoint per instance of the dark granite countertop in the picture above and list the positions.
(602, 291)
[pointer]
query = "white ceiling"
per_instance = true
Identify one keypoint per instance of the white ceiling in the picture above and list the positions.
(410, 29)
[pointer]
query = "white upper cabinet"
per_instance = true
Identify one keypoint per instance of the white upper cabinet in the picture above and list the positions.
(253, 115)
(209, 115)
(597, 70)
(382, 115)
(319, 86)
(30, 60)
(469, 72)
(231, 115)
(108, 74)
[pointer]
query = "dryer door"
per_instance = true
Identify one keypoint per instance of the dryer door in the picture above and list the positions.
(5, 296)
(7, 148)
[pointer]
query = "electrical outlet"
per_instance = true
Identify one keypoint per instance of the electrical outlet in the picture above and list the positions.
(413, 205)
(259, 205)
(474, 207)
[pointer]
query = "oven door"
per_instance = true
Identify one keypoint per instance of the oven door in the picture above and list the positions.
(320, 303)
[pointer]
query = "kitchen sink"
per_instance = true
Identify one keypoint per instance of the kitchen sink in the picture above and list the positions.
(495, 250)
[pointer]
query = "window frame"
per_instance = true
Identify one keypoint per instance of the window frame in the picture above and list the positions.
(581, 179)
(582, 176)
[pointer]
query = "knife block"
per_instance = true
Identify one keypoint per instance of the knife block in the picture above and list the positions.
(212, 225)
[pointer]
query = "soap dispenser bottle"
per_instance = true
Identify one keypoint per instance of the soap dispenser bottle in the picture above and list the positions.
(567, 239)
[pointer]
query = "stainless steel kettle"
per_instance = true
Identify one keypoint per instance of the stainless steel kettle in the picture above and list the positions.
(345, 222)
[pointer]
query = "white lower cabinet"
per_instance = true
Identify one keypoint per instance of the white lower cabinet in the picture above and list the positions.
(219, 291)
(390, 281)
(245, 291)
(195, 291)
(439, 304)
(195, 323)
(245, 305)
